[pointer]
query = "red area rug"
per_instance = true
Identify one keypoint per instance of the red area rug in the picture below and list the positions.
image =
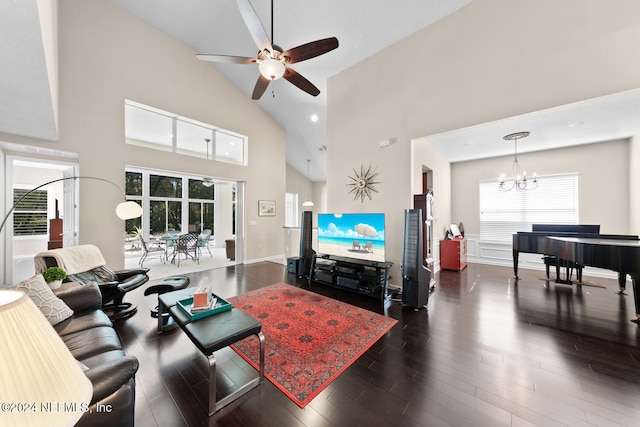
(310, 339)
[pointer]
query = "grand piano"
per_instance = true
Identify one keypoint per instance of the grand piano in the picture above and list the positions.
(583, 245)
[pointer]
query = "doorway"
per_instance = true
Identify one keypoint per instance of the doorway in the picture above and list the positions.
(28, 228)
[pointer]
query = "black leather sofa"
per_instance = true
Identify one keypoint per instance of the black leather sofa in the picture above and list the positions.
(91, 338)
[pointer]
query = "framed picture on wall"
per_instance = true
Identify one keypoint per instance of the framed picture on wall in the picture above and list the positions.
(266, 208)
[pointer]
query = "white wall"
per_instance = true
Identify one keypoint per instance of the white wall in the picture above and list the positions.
(634, 185)
(491, 60)
(223, 214)
(107, 56)
(298, 183)
(599, 165)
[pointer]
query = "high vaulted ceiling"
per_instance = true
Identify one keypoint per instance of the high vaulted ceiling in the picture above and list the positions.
(363, 28)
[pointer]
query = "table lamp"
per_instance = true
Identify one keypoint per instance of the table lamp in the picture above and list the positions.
(42, 384)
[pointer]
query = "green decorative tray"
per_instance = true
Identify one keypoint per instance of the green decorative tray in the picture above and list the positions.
(221, 305)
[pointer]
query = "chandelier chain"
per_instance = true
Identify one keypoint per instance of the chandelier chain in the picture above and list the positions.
(519, 182)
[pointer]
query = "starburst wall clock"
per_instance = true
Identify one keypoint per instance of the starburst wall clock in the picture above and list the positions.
(363, 184)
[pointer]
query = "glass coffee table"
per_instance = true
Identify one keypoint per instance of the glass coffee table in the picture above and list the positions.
(214, 333)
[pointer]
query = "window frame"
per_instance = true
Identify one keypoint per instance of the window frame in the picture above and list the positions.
(217, 144)
(504, 213)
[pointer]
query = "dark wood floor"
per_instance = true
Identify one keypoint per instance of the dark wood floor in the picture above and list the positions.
(487, 352)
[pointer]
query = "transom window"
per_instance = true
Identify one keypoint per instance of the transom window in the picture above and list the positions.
(159, 130)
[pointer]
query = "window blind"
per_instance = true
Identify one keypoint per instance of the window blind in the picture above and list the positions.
(502, 214)
(30, 216)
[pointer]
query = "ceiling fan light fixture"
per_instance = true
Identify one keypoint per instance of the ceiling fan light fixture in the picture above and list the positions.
(271, 69)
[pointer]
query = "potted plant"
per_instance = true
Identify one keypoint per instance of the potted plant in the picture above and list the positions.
(54, 276)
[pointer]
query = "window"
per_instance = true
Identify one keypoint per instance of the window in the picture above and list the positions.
(164, 215)
(148, 128)
(133, 190)
(172, 202)
(201, 206)
(555, 201)
(133, 184)
(291, 210)
(30, 216)
(159, 130)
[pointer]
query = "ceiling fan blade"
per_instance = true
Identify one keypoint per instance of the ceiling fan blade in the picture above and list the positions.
(254, 25)
(226, 59)
(294, 77)
(261, 86)
(311, 50)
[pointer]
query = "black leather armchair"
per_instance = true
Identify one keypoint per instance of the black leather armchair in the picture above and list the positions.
(85, 264)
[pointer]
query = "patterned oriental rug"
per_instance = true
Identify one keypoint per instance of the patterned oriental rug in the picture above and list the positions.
(310, 339)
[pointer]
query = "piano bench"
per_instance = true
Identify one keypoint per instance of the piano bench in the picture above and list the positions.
(558, 263)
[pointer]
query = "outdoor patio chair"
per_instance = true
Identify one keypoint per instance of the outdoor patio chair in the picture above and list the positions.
(187, 245)
(150, 250)
(203, 241)
(170, 238)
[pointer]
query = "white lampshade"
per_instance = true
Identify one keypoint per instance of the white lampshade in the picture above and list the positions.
(308, 203)
(271, 69)
(128, 210)
(37, 368)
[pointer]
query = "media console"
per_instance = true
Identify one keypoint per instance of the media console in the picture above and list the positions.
(369, 278)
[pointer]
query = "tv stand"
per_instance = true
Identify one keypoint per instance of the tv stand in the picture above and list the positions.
(370, 278)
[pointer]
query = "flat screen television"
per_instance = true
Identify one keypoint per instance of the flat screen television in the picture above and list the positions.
(352, 235)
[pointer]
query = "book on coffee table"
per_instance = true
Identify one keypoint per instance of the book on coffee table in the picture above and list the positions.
(200, 308)
(216, 305)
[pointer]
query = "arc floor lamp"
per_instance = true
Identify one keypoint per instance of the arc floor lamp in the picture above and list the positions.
(124, 210)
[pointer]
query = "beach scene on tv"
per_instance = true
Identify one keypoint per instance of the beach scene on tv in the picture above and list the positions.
(352, 235)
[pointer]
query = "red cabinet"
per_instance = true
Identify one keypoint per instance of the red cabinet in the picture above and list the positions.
(55, 234)
(453, 254)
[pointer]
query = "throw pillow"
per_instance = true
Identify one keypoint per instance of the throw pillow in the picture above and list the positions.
(53, 308)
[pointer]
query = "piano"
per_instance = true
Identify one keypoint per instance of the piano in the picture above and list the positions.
(583, 245)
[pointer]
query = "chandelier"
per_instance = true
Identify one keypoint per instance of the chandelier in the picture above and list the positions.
(519, 181)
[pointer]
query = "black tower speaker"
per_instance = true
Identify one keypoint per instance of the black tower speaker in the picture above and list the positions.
(415, 276)
(306, 237)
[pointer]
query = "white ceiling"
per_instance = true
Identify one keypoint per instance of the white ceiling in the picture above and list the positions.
(607, 118)
(363, 27)
(26, 106)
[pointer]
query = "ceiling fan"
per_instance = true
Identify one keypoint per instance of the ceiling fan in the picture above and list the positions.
(272, 60)
(208, 182)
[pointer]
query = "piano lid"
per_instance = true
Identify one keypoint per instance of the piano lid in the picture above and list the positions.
(566, 228)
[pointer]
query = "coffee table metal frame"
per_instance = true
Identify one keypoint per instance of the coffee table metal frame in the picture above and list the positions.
(168, 301)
